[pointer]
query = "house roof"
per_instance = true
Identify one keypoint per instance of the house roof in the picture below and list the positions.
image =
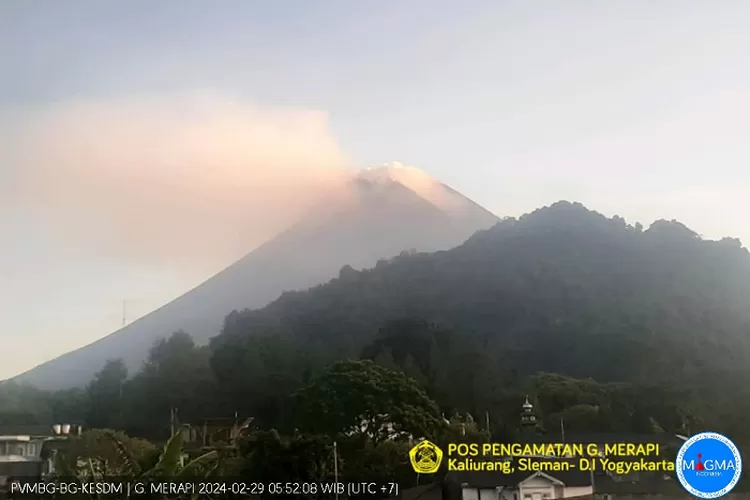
(28, 468)
(432, 491)
(545, 476)
(441, 490)
(27, 430)
(653, 485)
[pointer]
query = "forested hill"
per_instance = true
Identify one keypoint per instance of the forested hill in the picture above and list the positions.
(562, 290)
(631, 329)
(605, 327)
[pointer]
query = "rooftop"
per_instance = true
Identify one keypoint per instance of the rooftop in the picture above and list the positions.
(432, 491)
(27, 430)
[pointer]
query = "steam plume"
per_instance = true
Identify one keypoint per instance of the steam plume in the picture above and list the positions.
(198, 178)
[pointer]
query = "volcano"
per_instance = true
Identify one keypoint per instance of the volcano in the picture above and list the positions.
(381, 212)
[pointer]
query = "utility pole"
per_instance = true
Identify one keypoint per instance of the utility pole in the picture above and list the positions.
(487, 418)
(562, 430)
(173, 420)
(336, 468)
(119, 403)
(125, 311)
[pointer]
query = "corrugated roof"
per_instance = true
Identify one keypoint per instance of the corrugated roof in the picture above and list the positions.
(432, 491)
(27, 430)
(441, 490)
(653, 485)
(21, 469)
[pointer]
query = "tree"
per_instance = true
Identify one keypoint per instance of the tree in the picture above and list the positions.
(177, 376)
(634, 330)
(69, 406)
(22, 404)
(269, 458)
(450, 366)
(581, 417)
(171, 463)
(360, 397)
(361, 460)
(102, 449)
(99, 452)
(105, 393)
(16, 417)
(271, 369)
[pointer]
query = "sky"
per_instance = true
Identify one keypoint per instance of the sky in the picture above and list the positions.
(145, 145)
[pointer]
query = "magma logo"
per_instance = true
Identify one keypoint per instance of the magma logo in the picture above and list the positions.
(708, 465)
(425, 457)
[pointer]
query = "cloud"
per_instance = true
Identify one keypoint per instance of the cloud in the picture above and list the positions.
(192, 179)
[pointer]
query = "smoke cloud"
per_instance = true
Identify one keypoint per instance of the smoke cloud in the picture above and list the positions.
(192, 179)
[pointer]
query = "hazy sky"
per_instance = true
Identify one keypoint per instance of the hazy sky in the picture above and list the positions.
(143, 144)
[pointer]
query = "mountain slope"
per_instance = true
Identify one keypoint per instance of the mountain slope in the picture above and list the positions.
(563, 290)
(377, 215)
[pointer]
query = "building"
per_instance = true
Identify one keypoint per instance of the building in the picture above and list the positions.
(484, 485)
(549, 485)
(518, 485)
(606, 482)
(25, 451)
(523, 485)
(529, 425)
(212, 433)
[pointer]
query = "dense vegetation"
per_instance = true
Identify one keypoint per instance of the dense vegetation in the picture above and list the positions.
(607, 326)
(561, 290)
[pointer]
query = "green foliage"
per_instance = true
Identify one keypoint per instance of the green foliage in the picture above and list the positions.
(273, 458)
(271, 369)
(102, 452)
(451, 367)
(360, 397)
(98, 454)
(606, 326)
(177, 375)
(105, 394)
(561, 290)
(464, 429)
(24, 405)
(386, 461)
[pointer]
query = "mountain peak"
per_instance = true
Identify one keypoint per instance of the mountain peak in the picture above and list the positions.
(377, 213)
(428, 188)
(395, 171)
(562, 211)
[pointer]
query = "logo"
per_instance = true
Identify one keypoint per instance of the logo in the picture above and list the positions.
(426, 457)
(708, 465)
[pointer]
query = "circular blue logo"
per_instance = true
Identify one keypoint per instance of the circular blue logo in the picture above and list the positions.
(708, 465)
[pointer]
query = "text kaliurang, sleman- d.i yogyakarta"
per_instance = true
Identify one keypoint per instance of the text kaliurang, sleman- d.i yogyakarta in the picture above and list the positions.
(561, 450)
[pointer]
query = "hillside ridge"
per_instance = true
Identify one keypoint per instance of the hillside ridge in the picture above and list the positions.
(354, 226)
